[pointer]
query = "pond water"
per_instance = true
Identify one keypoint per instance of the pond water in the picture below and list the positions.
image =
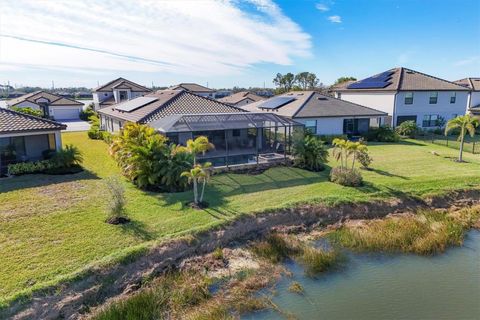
(378, 286)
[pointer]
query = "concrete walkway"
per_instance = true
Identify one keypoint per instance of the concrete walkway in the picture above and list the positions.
(76, 125)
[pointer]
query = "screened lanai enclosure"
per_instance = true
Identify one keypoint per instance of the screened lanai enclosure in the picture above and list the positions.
(238, 138)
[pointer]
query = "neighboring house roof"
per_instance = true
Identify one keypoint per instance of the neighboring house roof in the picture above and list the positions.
(341, 85)
(404, 79)
(311, 104)
(239, 97)
(17, 122)
(472, 83)
(165, 103)
(193, 87)
(121, 83)
(55, 100)
(108, 102)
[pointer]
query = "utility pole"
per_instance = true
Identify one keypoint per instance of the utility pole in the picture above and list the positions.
(207, 84)
(53, 85)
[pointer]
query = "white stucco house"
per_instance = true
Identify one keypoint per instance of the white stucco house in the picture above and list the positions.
(116, 91)
(195, 89)
(474, 99)
(321, 114)
(406, 95)
(52, 105)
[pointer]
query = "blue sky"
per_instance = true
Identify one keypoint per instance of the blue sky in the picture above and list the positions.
(227, 43)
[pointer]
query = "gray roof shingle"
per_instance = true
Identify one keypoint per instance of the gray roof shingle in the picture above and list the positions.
(404, 79)
(472, 83)
(121, 83)
(16, 122)
(169, 102)
(191, 87)
(55, 100)
(311, 104)
(240, 96)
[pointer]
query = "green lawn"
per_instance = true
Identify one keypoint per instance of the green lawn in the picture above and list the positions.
(52, 227)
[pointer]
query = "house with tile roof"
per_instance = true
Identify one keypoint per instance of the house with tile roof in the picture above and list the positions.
(238, 136)
(474, 99)
(407, 94)
(117, 91)
(24, 137)
(52, 105)
(196, 89)
(241, 98)
(321, 114)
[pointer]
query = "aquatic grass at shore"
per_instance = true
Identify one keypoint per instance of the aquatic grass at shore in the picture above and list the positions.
(425, 233)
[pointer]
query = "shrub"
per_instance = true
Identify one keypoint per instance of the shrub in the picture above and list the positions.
(28, 110)
(346, 177)
(364, 159)
(148, 161)
(275, 248)
(106, 136)
(328, 139)
(67, 157)
(382, 134)
(117, 200)
(94, 133)
(86, 114)
(29, 167)
(310, 153)
(407, 129)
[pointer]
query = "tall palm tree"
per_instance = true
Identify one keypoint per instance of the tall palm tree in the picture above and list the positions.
(466, 124)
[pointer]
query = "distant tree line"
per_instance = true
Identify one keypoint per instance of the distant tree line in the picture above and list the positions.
(300, 81)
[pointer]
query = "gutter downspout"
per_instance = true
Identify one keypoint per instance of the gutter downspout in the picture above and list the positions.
(394, 124)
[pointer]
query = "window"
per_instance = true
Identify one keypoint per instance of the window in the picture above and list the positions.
(51, 141)
(311, 125)
(433, 97)
(123, 95)
(236, 132)
(355, 126)
(430, 120)
(453, 97)
(409, 98)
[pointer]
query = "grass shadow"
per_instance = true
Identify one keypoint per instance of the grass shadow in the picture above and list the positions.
(137, 229)
(388, 174)
(40, 180)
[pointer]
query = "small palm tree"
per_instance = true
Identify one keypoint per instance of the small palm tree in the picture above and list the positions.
(199, 145)
(465, 123)
(195, 175)
(204, 178)
(355, 149)
(339, 151)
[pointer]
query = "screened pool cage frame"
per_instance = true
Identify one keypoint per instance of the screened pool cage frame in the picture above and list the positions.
(238, 138)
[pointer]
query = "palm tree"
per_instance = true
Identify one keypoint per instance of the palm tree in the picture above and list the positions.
(339, 147)
(204, 178)
(354, 149)
(199, 145)
(465, 123)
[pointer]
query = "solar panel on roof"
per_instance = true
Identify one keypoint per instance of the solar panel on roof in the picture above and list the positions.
(133, 104)
(368, 85)
(276, 102)
(376, 82)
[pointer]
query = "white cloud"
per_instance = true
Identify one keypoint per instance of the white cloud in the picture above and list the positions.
(322, 7)
(335, 19)
(182, 37)
(467, 61)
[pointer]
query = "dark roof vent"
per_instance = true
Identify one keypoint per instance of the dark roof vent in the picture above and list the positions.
(322, 98)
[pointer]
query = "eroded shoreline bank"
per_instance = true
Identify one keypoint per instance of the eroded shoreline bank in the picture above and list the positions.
(105, 283)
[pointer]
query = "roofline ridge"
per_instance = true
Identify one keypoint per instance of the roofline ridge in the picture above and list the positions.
(350, 102)
(32, 117)
(303, 104)
(437, 78)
